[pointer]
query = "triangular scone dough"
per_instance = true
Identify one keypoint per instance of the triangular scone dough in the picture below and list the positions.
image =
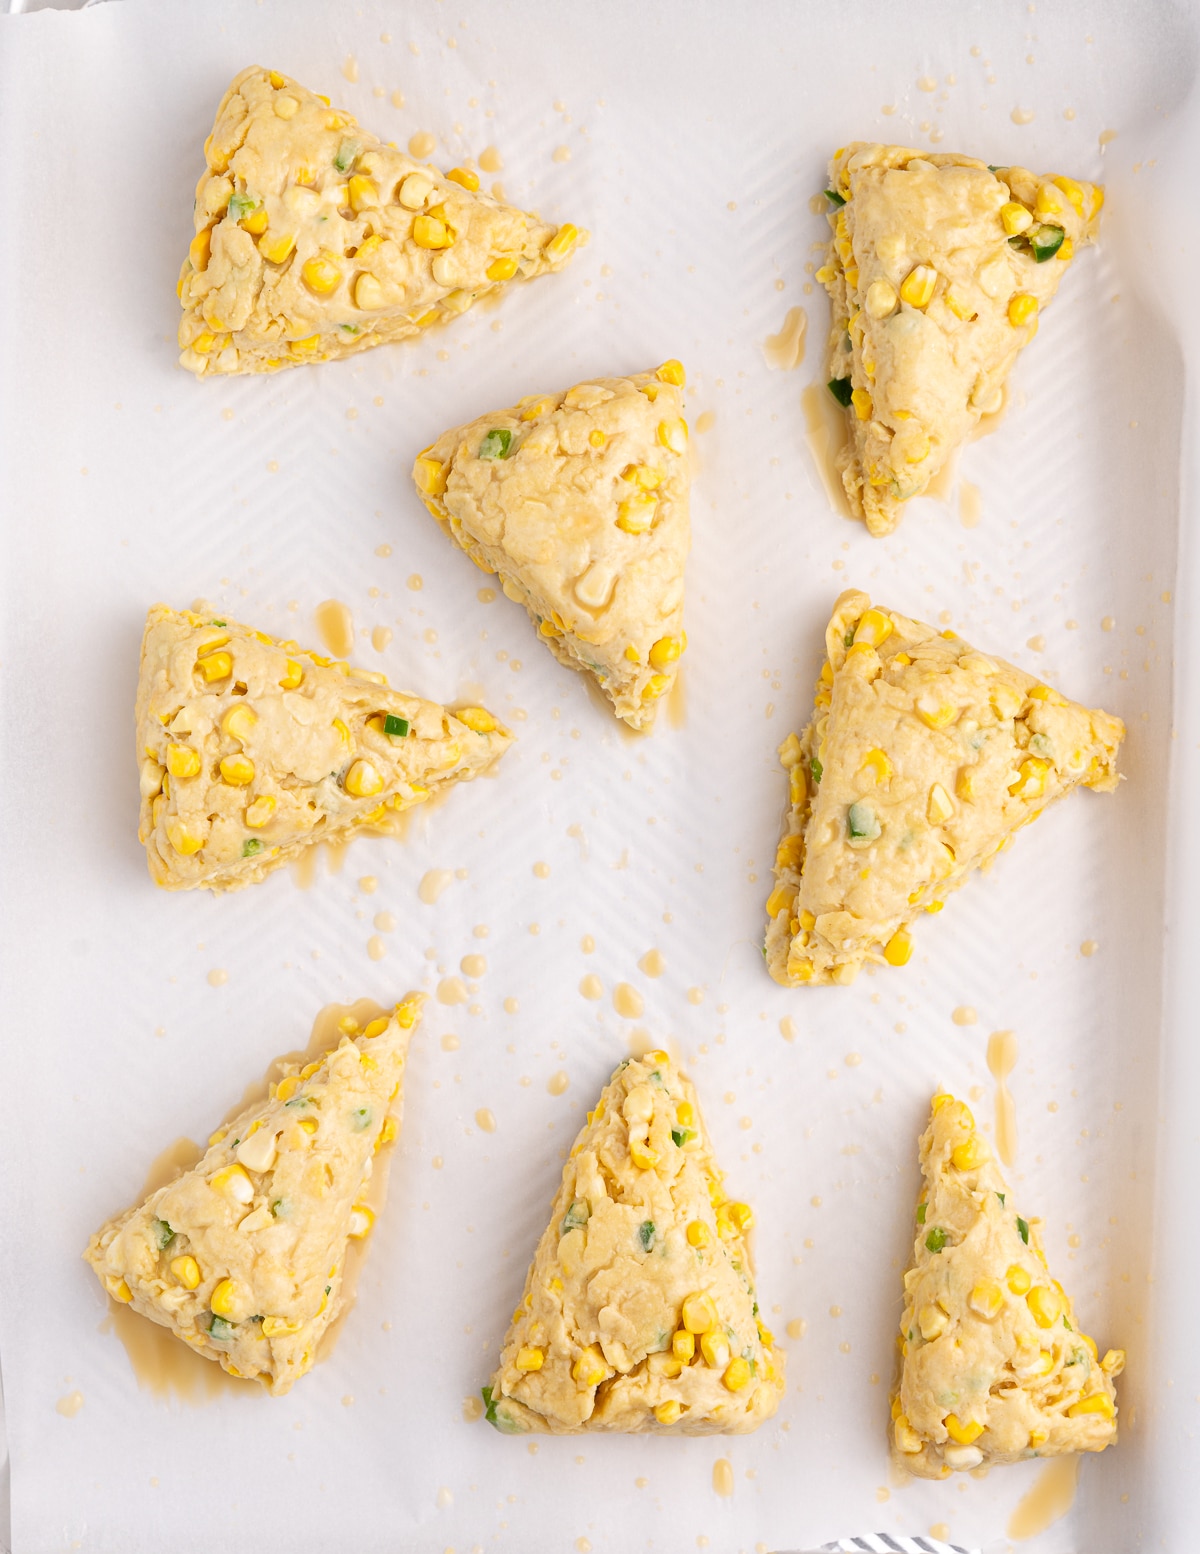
(242, 1256)
(639, 1311)
(935, 286)
(314, 239)
(994, 1367)
(922, 759)
(252, 749)
(580, 502)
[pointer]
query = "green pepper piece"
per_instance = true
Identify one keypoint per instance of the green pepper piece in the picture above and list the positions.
(220, 1329)
(576, 1216)
(163, 1234)
(817, 770)
(841, 389)
(240, 205)
(251, 846)
(496, 444)
(361, 1118)
(921, 1207)
(936, 1239)
(832, 194)
(347, 155)
(861, 822)
(646, 1234)
(1023, 1229)
(396, 728)
(681, 1135)
(1045, 240)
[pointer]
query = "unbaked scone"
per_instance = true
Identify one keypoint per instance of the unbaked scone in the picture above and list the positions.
(314, 239)
(994, 1366)
(579, 501)
(922, 759)
(252, 750)
(639, 1313)
(242, 1256)
(936, 273)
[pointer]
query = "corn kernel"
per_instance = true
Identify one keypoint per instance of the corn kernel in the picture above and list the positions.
(668, 1411)
(276, 246)
(666, 651)
(898, 950)
(182, 838)
(932, 1321)
(187, 1271)
(430, 476)
(362, 192)
(561, 244)
(738, 1375)
(232, 1182)
(698, 1233)
(260, 812)
(215, 666)
(1038, 1438)
(714, 1347)
(591, 1368)
(672, 372)
(362, 1221)
(986, 1299)
(118, 1289)
(971, 1154)
(477, 719)
(1015, 218)
(673, 434)
(657, 1059)
(876, 765)
(636, 514)
(683, 1344)
(237, 770)
(940, 806)
(1072, 190)
(279, 1327)
(597, 438)
(907, 1439)
(654, 687)
(1049, 201)
(917, 287)
(1022, 307)
(935, 713)
(1045, 1304)
(239, 722)
(363, 780)
(502, 269)
(1099, 1403)
(182, 761)
(698, 1314)
(1017, 1279)
(255, 222)
(224, 1298)
(862, 403)
(873, 629)
(529, 1358)
(962, 1433)
(431, 232)
(321, 275)
(742, 1216)
(642, 1155)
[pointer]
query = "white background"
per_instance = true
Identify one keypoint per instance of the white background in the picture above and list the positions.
(697, 134)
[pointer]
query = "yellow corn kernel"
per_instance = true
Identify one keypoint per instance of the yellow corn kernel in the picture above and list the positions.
(255, 221)
(203, 343)
(657, 1059)
(224, 1298)
(1015, 218)
(962, 1433)
(742, 1216)
(464, 177)
(549, 629)
(738, 1375)
(668, 1411)
(591, 1368)
(1049, 200)
(1045, 1304)
(714, 1347)
(666, 651)
(321, 275)
(1038, 1438)
(260, 812)
(362, 192)
(563, 241)
(672, 372)
(118, 1289)
(304, 347)
(1113, 1362)
(642, 1155)
(477, 719)
(907, 1439)
(1031, 779)
(276, 246)
(790, 852)
(363, 781)
(283, 1091)
(935, 714)
(971, 1154)
(182, 838)
(685, 1114)
(238, 722)
(898, 950)
(940, 806)
(187, 1271)
(362, 1221)
(877, 765)
(237, 770)
(431, 232)
(1099, 1403)
(502, 269)
(851, 273)
(430, 475)
(597, 438)
(932, 1321)
(1066, 249)
(376, 1027)
(698, 1233)
(673, 434)
(986, 1299)
(636, 513)
(529, 1358)
(1022, 307)
(232, 1182)
(698, 1313)
(873, 629)
(408, 1011)
(683, 1344)
(279, 1327)
(216, 666)
(1072, 190)
(293, 674)
(200, 248)
(1017, 1279)
(862, 403)
(287, 106)
(917, 287)
(182, 761)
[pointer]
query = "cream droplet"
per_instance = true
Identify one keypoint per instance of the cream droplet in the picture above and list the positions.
(368, 884)
(1022, 115)
(722, 1477)
(397, 99)
(787, 1028)
(797, 1328)
(451, 991)
(422, 145)
(217, 977)
(652, 964)
(69, 1406)
(434, 882)
(385, 922)
(511, 1006)
(1109, 623)
(705, 421)
(965, 1015)
(383, 550)
(591, 986)
(486, 595)
(472, 1408)
(444, 1498)
(587, 944)
(627, 1001)
(558, 1082)
(490, 160)
(1089, 947)
(473, 966)
(785, 351)
(350, 68)
(695, 995)
(450, 1042)
(380, 637)
(376, 948)
(336, 627)
(485, 1120)
(926, 84)
(562, 154)
(541, 871)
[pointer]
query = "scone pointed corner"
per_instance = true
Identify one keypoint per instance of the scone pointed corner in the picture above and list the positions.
(251, 750)
(579, 502)
(994, 1366)
(315, 239)
(639, 1313)
(242, 1257)
(938, 268)
(923, 758)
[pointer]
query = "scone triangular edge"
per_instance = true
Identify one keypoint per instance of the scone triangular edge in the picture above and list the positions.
(579, 502)
(253, 749)
(639, 1313)
(994, 1366)
(242, 1257)
(923, 758)
(315, 239)
(937, 270)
